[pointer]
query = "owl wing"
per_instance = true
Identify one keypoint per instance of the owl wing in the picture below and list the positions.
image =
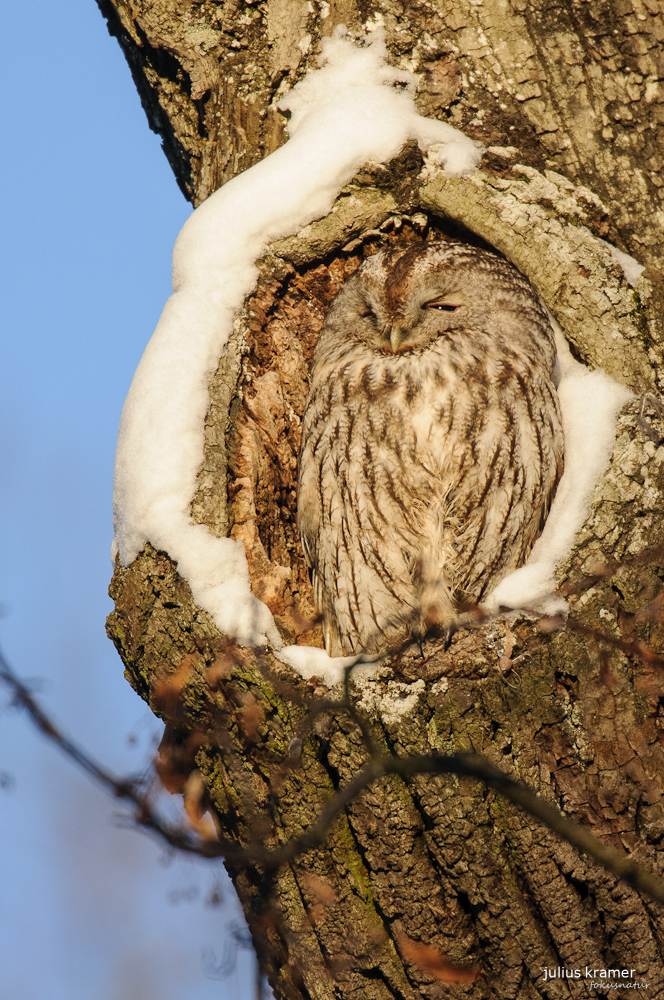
(309, 524)
(497, 446)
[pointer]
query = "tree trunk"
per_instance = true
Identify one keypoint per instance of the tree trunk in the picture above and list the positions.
(567, 104)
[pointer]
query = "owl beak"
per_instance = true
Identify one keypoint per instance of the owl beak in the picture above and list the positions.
(397, 337)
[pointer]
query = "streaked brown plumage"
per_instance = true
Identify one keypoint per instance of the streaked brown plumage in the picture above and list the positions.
(431, 441)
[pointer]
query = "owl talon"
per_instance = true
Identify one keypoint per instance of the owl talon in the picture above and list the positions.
(448, 632)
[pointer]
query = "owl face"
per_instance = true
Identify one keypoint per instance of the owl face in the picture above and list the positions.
(404, 299)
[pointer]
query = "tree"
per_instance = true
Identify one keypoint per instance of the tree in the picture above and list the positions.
(567, 103)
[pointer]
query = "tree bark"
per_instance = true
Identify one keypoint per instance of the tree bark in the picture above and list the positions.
(566, 102)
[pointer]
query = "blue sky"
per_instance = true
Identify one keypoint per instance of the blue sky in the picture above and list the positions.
(89, 911)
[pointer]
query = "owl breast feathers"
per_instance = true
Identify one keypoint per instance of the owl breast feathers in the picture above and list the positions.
(431, 441)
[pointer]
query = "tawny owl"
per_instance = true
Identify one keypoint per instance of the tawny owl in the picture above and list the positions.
(431, 441)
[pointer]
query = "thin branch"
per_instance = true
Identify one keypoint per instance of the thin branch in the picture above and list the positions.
(631, 647)
(24, 698)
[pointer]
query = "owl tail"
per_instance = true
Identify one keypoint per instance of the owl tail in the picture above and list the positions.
(434, 595)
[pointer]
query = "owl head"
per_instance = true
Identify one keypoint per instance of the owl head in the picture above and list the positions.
(403, 299)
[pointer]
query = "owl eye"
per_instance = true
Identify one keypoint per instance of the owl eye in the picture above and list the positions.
(442, 305)
(366, 312)
(448, 303)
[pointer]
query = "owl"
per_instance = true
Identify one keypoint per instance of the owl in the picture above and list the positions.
(431, 442)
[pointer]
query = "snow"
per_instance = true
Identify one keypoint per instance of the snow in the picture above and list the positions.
(354, 108)
(310, 661)
(630, 266)
(589, 401)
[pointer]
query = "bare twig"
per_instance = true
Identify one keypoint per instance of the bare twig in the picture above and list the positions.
(632, 647)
